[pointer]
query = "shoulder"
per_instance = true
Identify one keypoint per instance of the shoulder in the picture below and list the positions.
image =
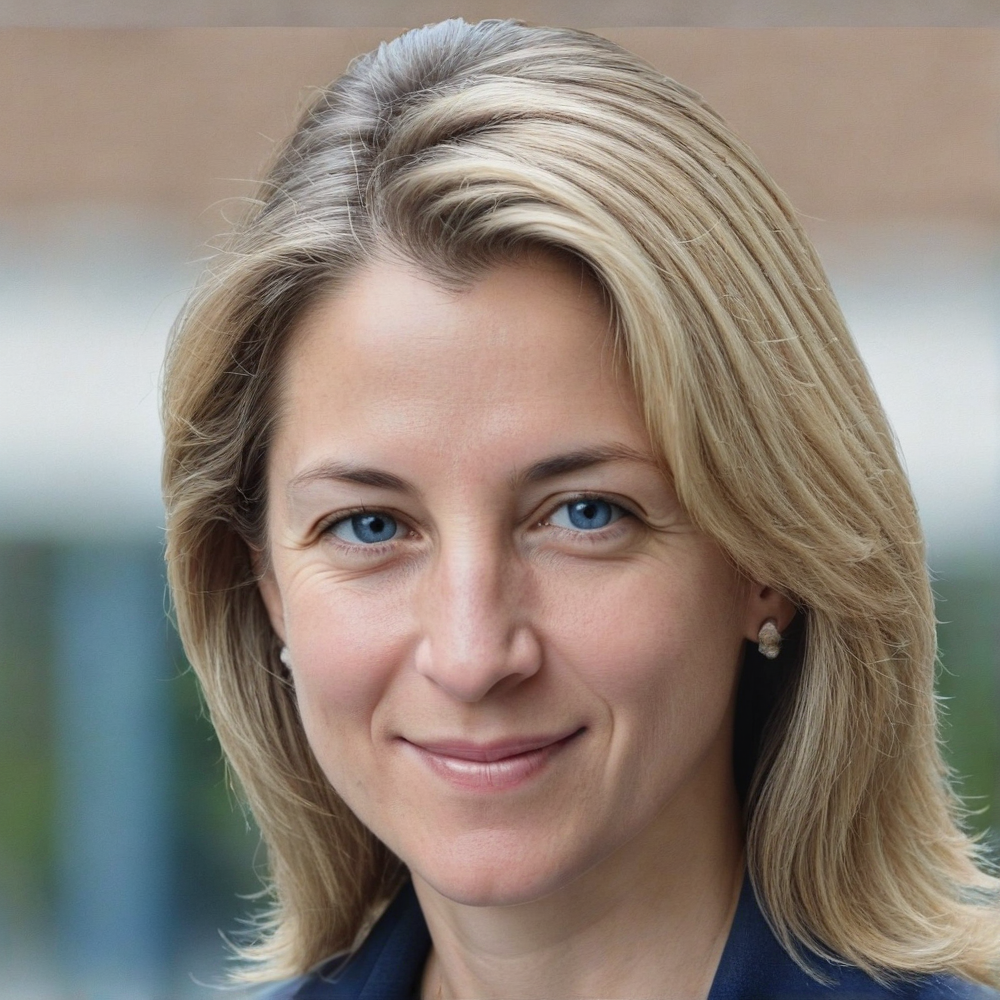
(952, 988)
(387, 966)
(285, 990)
(780, 978)
(755, 966)
(857, 985)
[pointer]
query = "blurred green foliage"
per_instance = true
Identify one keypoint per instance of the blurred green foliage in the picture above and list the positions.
(968, 602)
(214, 844)
(26, 765)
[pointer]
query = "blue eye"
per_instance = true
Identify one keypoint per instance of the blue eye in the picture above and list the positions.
(367, 529)
(586, 514)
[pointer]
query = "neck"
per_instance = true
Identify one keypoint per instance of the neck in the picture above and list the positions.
(655, 912)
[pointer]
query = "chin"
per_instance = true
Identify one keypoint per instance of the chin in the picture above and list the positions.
(492, 868)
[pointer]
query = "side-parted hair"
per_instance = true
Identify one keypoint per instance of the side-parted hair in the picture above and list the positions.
(458, 147)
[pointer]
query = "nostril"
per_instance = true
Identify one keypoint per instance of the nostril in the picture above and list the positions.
(469, 670)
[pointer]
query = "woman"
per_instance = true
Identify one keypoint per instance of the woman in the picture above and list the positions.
(546, 560)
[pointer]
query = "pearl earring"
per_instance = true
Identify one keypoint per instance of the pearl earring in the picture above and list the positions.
(285, 657)
(769, 639)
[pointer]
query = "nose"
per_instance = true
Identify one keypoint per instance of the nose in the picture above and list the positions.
(476, 635)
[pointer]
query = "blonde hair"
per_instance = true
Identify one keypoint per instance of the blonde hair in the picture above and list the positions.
(458, 146)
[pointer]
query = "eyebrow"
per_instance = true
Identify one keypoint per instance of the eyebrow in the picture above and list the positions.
(348, 473)
(584, 458)
(547, 468)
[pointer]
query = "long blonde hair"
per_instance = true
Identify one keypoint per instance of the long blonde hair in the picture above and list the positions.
(458, 146)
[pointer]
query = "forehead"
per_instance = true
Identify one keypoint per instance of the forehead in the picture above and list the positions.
(534, 308)
(525, 351)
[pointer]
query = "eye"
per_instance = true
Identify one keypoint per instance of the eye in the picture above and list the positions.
(367, 528)
(586, 514)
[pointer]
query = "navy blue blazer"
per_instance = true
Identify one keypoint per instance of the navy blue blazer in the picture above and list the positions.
(754, 966)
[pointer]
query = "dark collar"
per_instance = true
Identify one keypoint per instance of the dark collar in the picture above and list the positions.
(754, 966)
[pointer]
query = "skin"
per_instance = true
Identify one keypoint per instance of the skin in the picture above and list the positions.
(613, 870)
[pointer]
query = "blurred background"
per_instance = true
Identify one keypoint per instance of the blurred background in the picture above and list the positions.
(124, 856)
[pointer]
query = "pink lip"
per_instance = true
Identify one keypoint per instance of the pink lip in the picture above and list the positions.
(495, 766)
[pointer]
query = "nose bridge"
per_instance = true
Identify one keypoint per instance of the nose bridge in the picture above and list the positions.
(473, 633)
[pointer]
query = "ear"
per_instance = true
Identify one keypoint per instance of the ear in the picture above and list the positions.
(270, 594)
(765, 602)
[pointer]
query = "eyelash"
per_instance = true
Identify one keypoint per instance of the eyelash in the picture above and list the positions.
(595, 535)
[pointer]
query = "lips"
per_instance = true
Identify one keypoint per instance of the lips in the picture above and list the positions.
(494, 766)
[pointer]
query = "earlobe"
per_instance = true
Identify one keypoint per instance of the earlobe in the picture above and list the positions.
(767, 605)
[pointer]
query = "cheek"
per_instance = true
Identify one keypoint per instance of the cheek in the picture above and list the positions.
(660, 648)
(661, 625)
(349, 642)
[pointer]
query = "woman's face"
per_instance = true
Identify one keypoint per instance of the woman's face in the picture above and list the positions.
(512, 652)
